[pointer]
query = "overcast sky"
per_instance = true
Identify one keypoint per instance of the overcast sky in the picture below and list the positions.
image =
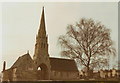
(20, 23)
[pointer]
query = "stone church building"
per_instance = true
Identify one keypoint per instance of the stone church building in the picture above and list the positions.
(42, 66)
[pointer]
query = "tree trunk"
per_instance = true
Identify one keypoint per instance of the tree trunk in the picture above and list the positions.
(88, 73)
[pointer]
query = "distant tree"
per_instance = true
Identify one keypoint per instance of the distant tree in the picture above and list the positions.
(88, 41)
(117, 64)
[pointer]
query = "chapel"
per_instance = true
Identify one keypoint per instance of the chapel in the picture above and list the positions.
(42, 66)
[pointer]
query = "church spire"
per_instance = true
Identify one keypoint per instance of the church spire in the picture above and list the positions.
(41, 46)
(42, 30)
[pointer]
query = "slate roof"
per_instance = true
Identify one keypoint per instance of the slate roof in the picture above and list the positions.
(24, 61)
(60, 64)
(57, 64)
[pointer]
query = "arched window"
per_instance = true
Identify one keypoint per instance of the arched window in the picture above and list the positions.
(39, 68)
(42, 72)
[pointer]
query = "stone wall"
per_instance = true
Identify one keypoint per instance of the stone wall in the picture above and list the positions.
(26, 76)
(19, 75)
(7, 75)
(63, 75)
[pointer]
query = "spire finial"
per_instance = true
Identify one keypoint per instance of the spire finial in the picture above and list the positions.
(43, 9)
(27, 51)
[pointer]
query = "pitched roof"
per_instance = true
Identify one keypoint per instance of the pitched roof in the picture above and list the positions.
(60, 64)
(57, 64)
(24, 61)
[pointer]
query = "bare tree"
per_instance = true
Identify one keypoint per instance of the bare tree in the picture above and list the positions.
(88, 41)
(100, 63)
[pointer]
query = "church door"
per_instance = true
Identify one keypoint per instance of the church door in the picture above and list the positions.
(42, 72)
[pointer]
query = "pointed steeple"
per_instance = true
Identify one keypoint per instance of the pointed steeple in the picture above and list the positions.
(41, 46)
(42, 30)
(41, 54)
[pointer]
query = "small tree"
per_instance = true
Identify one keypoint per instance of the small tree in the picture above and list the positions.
(88, 41)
